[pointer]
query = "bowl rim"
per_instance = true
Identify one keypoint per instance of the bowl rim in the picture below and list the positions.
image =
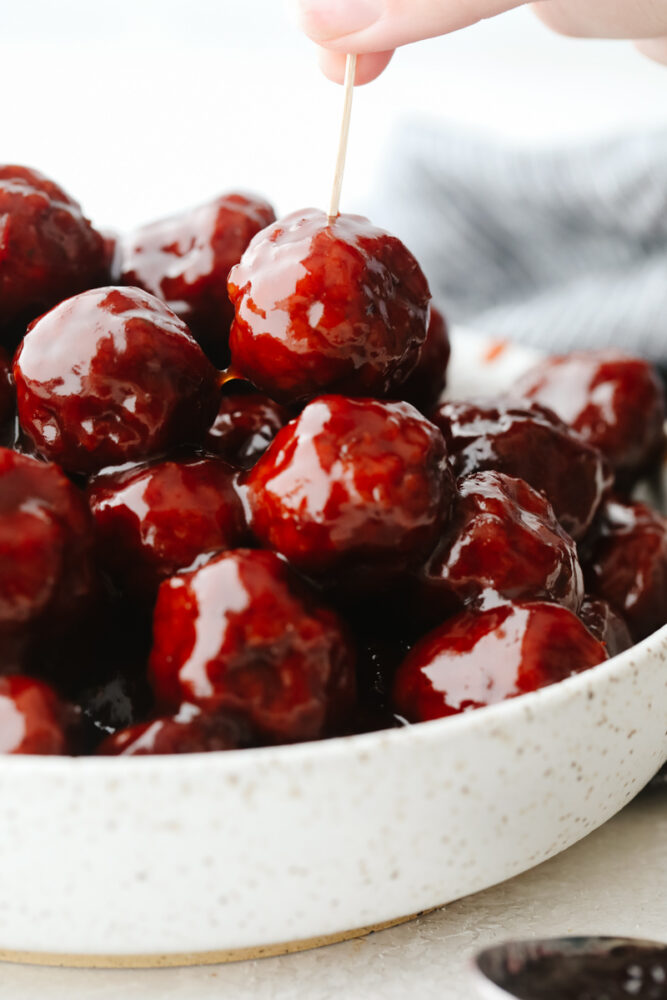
(356, 744)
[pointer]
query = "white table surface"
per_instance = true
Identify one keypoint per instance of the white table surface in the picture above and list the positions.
(613, 882)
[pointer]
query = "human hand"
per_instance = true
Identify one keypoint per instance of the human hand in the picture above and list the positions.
(374, 28)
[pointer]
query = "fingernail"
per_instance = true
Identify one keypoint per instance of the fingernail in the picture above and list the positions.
(325, 20)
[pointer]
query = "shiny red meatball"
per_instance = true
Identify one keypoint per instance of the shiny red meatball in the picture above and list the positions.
(190, 731)
(46, 572)
(185, 260)
(605, 624)
(240, 634)
(613, 401)
(6, 389)
(352, 483)
(627, 565)
(479, 658)
(244, 428)
(48, 250)
(424, 387)
(153, 520)
(503, 542)
(320, 306)
(32, 718)
(527, 441)
(112, 376)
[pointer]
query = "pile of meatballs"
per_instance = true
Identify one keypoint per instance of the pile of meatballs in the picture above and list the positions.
(235, 511)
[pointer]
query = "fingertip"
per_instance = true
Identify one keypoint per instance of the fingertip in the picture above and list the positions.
(654, 48)
(369, 65)
(332, 65)
(330, 22)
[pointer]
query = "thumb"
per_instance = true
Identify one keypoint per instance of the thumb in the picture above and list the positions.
(371, 26)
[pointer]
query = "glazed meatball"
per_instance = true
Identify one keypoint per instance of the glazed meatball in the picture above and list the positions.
(190, 731)
(153, 520)
(503, 542)
(240, 634)
(527, 441)
(185, 260)
(49, 251)
(46, 569)
(244, 428)
(112, 376)
(327, 306)
(424, 387)
(479, 658)
(352, 483)
(614, 402)
(627, 565)
(32, 718)
(605, 624)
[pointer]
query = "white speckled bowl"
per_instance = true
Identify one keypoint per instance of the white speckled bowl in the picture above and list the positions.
(198, 858)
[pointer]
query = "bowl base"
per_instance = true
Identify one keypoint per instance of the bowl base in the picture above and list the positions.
(163, 961)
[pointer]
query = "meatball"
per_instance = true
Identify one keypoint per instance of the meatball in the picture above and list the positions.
(327, 306)
(352, 483)
(424, 387)
(244, 428)
(190, 731)
(33, 720)
(46, 571)
(614, 402)
(503, 542)
(153, 520)
(479, 658)
(112, 376)
(240, 634)
(605, 624)
(530, 442)
(627, 565)
(49, 251)
(185, 260)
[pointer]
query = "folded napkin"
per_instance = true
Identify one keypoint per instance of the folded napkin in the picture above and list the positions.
(559, 249)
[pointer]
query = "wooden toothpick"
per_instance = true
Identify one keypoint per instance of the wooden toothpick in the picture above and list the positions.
(350, 74)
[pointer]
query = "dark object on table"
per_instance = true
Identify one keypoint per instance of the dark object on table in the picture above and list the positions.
(577, 968)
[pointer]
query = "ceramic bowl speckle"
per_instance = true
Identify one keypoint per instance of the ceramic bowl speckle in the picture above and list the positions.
(174, 858)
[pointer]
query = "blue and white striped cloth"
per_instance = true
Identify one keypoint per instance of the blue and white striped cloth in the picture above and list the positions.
(556, 248)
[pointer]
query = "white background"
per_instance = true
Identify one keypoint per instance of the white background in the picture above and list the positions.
(141, 107)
